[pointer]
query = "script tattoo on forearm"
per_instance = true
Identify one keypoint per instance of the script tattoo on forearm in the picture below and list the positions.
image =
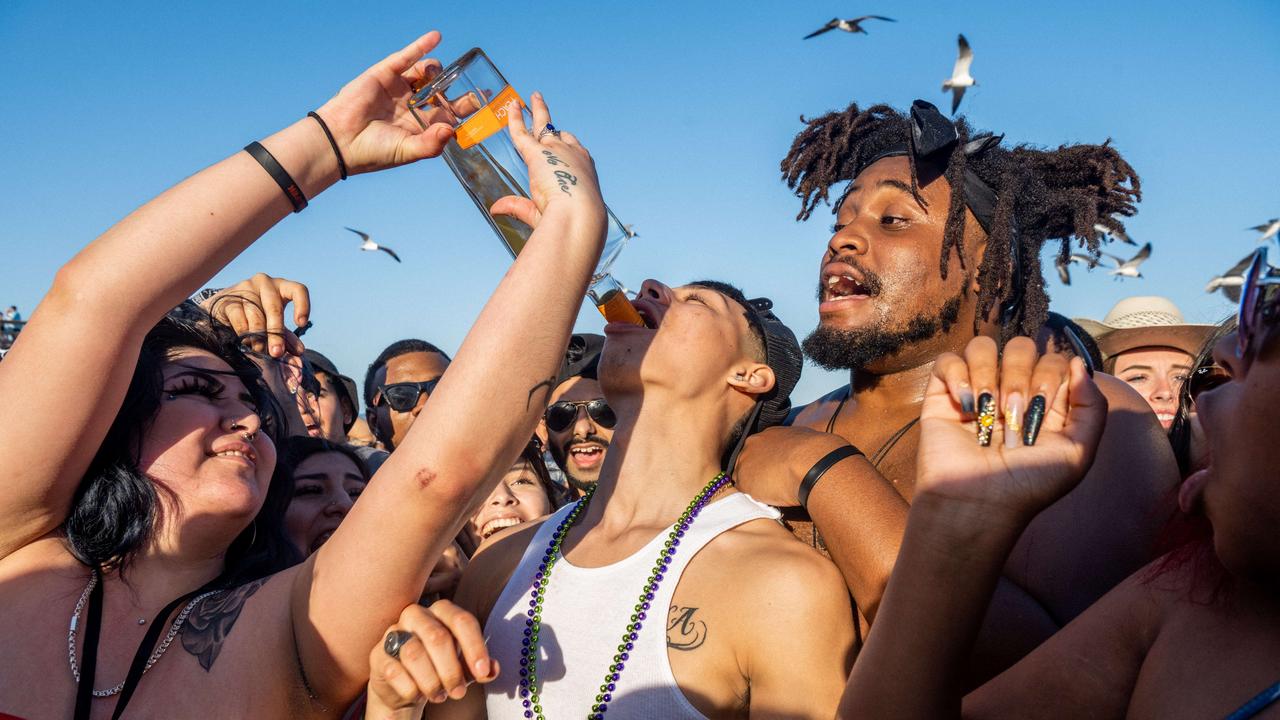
(684, 632)
(211, 621)
(563, 177)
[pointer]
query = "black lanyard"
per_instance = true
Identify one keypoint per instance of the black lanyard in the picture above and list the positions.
(93, 627)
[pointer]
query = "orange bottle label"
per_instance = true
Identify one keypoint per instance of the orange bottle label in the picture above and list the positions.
(487, 120)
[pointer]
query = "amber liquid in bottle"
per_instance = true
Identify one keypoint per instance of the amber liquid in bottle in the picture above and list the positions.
(615, 307)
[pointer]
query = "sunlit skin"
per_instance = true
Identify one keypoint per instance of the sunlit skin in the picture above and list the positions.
(573, 449)
(332, 413)
(410, 367)
(193, 450)
(1057, 571)
(326, 485)
(519, 498)
(1157, 373)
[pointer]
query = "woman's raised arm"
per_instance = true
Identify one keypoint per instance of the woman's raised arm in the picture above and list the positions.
(66, 376)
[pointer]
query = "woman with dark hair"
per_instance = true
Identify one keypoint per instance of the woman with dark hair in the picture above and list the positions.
(1196, 635)
(327, 479)
(140, 450)
(526, 493)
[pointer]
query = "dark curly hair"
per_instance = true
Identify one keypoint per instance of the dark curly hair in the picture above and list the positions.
(1041, 195)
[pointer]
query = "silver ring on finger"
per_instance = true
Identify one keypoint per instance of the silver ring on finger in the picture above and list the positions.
(549, 130)
(396, 640)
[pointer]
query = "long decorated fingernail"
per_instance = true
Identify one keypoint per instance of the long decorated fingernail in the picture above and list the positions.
(1035, 416)
(986, 418)
(966, 401)
(1013, 420)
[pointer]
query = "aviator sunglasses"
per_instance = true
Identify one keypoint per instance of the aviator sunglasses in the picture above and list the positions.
(403, 396)
(1257, 306)
(561, 415)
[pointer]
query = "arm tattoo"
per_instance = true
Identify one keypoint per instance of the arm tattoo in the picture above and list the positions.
(549, 384)
(683, 631)
(211, 621)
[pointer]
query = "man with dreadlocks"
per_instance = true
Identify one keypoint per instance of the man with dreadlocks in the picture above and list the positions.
(937, 240)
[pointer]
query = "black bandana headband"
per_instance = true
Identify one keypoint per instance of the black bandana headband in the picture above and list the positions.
(933, 137)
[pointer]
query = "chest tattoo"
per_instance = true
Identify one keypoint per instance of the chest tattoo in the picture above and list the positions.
(684, 631)
(211, 621)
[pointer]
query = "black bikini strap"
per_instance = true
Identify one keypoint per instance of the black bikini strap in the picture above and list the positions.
(145, 649)
(89, 663)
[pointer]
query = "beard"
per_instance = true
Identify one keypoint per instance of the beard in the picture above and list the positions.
(837, 349)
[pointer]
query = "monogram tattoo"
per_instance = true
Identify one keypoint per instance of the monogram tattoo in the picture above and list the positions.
(211, 621)
(684, 632)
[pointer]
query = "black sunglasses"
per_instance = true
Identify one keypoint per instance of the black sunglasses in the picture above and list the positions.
(1205, 378)
(403, 396)
(561, 415)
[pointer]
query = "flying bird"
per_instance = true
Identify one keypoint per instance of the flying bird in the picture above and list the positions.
(1064, 268)
(370, 245)
(960, 79)
(1129, 268)
(853, 25)
(630, 230)
(1232, 280)
(1120, 235)
(1269, 229)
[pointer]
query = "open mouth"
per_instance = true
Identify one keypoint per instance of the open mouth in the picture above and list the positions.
(320, 540)
(843, 286)
(1166, 419)
(586, 456)
(237, 451)
(496, 524)
(313, 430)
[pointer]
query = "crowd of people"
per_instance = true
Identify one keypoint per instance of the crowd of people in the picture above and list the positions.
(1003, 513)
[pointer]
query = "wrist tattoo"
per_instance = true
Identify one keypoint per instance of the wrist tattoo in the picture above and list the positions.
(563, 178)
(684, 632)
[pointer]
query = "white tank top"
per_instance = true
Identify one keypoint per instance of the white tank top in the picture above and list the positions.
(583, 615)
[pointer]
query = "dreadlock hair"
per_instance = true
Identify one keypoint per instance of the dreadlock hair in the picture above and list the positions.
(1041, 195)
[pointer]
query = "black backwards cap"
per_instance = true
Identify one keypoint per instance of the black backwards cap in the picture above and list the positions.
(781, 353)
(581, 357)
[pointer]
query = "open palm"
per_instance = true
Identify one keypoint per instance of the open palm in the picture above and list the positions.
(1015, 480)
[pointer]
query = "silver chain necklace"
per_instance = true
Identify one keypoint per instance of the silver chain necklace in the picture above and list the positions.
(155, 655)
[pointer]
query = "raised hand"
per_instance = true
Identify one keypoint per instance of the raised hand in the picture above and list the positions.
(370, 118)
(561, 171)
(430, 655)
(254, 308)
(1048, 419)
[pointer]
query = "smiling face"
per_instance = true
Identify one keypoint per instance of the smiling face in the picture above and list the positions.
(1239, 489)
(518, 499)
(1157, 373)
(325, 485)
(579, 449)
(883, 304)
(197, 448)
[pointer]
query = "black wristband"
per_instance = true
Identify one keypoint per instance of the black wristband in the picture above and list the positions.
(277, 173)
(820, 468)
(342, 164)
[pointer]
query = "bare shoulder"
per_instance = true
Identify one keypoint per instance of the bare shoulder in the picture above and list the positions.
(816, 414)
(782, 571)
(491, 567)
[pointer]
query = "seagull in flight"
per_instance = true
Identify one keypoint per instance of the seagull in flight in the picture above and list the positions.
(1129, 268)
(960, 79)
(1232, 280)
(1064, 268)
(370, 245)
(852, 25)
(1120, 235)
(1269, 229)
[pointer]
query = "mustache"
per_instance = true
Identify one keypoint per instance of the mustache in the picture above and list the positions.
(870, 280)
(579, 439)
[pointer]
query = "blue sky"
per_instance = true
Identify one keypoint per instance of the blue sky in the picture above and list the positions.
(687, 107)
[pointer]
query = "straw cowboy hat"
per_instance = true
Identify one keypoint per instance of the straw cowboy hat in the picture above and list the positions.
(1146, 321)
